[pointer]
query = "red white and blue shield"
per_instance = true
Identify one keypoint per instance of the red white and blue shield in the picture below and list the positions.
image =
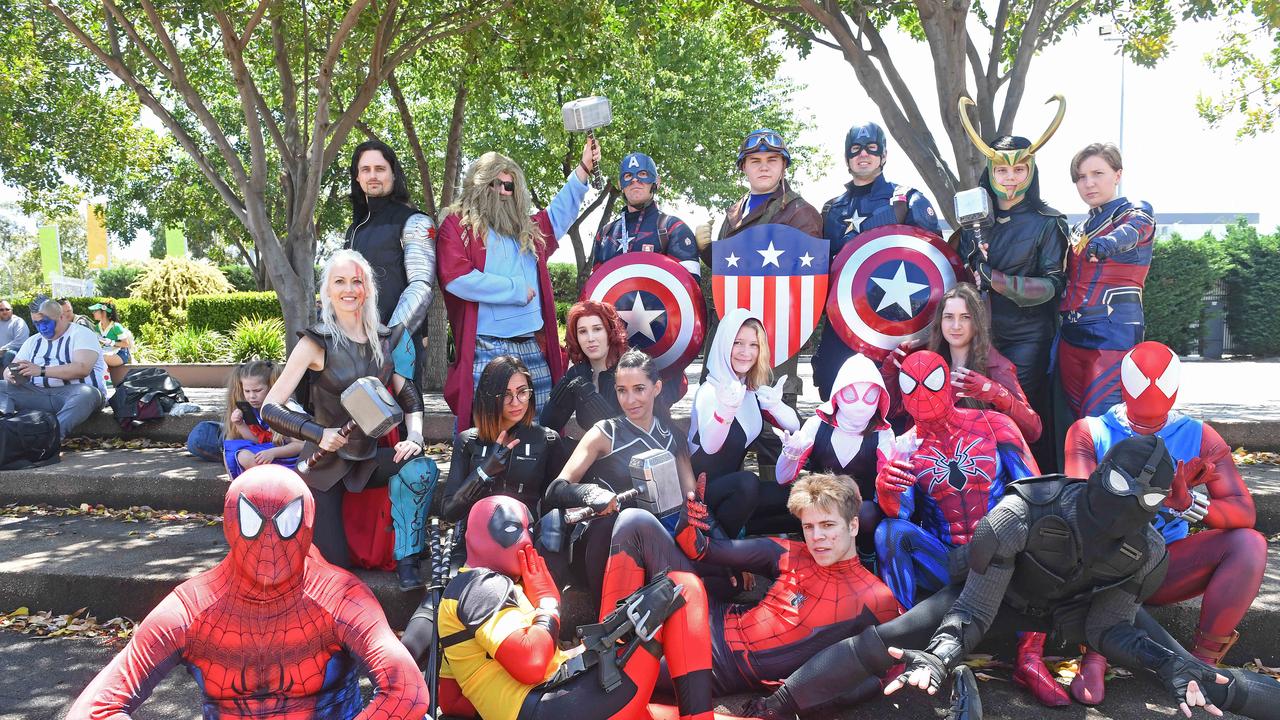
(886, 284)
(778, 273)
(660, 302)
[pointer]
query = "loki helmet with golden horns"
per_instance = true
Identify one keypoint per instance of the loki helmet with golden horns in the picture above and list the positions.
(1024, 156)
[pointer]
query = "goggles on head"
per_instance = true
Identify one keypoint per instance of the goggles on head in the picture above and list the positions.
(1120, 483)
(763, 141)
(998, 158)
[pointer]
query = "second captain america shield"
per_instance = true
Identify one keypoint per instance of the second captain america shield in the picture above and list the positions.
(886, 284)
(660, 302)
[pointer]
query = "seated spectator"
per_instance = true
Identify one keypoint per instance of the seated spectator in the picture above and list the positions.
(13, 332)
(69, 314)
(248, 440)
(115, 338)
(59, 370)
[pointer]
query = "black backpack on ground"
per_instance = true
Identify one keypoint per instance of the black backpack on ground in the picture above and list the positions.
(29, 439)
(145, 394)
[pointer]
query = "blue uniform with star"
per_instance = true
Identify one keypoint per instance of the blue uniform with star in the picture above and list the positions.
(859, 209)
(637, 231)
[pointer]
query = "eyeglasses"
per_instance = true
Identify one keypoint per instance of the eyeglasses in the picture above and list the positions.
(520, 396)
(508, 185)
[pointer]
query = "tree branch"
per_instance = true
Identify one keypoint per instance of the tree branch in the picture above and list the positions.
(415, 144)
(1027, 45)
(252, 25)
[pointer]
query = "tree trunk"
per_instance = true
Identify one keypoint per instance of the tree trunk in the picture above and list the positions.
(453, 147)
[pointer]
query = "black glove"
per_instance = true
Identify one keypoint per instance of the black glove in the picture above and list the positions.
(495, 464)
(561, 404)
(918, 659)
(564, 495)
(592, 407)
(1126, 645)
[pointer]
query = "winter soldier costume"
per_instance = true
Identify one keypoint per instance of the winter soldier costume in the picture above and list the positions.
(1073, 558)
(862, 208)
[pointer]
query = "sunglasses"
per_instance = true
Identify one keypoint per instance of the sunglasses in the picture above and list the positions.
(508, 185)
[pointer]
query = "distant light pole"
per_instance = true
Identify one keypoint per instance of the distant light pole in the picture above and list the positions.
(1111, 34)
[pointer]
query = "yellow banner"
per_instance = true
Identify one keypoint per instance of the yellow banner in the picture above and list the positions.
(96, 233)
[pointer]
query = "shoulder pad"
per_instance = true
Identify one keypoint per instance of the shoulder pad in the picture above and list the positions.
(1039, 490)
(480, 594)
(552, 436)
(319, 329)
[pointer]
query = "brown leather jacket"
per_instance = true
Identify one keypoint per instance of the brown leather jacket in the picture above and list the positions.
(784, 207)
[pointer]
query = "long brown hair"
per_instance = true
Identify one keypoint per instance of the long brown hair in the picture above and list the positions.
(265, 370)
(979, 346)
(480, 208)
(487, 404)
(613, 326)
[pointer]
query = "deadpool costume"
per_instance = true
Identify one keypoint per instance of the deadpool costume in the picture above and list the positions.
(500, 618)
(273, 631)
(1226, 559)
(1102, 315)
(959, 471)
(1071, 557)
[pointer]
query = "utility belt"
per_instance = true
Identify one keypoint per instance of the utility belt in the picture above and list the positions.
(1118, 298)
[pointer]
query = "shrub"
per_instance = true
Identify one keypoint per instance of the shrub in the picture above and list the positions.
(151, 343)
(222, 312)
(255, 338)
(1253, 289)
(115, 281)
(192, 345)
(133, 312)
(1182, 271)
(564, 281)
(167, 284)
(241, 277)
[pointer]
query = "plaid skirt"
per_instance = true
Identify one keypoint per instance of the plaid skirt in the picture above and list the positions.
(529, 352)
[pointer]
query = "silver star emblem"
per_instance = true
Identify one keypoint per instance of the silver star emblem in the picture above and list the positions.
(639, 319)
(771, 256)
(732, 260)
(898, 290)
(806, 260)
(853, 223)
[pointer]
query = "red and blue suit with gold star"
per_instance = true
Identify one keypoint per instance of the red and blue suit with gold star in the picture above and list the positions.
(1101, 310)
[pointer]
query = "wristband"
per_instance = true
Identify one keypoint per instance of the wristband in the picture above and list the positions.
(1198, 509)
(484, 476)
(584, 167)
(716, 416)
(42, 369)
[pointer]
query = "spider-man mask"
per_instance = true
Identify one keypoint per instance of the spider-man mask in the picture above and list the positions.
(1129, 486)
(267, 518)
(926, 390)
(1149, 377)
(497, 529)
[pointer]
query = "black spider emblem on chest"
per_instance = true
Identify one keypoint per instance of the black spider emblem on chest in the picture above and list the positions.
(956, 469)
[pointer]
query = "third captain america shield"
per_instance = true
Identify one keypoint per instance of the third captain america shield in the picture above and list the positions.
(886, 284)
(660, 302)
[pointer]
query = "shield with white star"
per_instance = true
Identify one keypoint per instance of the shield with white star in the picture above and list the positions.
(886, 284)
(660, 302)
(780, 274)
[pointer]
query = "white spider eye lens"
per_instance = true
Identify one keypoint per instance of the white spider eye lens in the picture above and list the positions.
(1152, 500)
(1117, 483)
(907, 383)
(936, 379)
(289, 519)
(250, 520)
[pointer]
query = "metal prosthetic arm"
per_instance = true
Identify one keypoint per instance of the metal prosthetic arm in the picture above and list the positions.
(419, 241)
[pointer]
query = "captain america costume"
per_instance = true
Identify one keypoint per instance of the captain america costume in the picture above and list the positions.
(1101, 310)
(858, 209)
(645, 230)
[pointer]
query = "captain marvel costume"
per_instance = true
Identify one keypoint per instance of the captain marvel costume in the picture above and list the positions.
(273, 631)
(1101, 310)
(1226, 559)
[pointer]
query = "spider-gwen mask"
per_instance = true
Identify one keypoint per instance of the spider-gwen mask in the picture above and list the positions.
(860, 393)
(1149, 377)
(497, 529)
(926, 387)
(267, 518)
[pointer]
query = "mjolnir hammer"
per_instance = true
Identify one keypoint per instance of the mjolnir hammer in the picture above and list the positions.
(585, 115)
(372, 409)
(655, 481)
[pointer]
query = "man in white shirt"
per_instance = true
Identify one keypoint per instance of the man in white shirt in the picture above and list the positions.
(13, 331)
(58, 370)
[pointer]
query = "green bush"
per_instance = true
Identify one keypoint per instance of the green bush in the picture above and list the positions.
(167, 284)
(151, 343)
(222, 312)
(1253, 289)
(133, 312)
(564, 281)
(1182, 271)
(115, 281)
(241, 277)
(255, 338)
(193, 345)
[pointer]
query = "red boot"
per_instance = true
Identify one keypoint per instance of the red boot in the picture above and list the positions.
(1030, 672)
(1089, 685)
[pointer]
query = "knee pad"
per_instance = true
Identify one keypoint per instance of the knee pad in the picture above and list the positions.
(419, 475)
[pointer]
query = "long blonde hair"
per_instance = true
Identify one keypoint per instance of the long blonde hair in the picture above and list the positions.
(761, 372)
(369, 311)
(480, 208)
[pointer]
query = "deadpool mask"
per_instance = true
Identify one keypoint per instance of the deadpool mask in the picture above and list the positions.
(267, 518)
(1149, 377)
(497, 529)
(925, 385)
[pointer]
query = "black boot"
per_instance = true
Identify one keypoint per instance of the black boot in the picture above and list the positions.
(966, 704)
(407, 571)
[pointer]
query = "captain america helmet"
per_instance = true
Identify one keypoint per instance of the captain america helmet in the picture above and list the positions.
(637, 167)
(763, 140)
(862, 137)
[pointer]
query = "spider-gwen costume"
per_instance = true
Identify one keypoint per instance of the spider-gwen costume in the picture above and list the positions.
(958, 473)
(846, 436)
(1101, 310)
(500, 618)
(1225, 561)
(273, 631)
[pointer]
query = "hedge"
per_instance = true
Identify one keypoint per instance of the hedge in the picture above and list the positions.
(1252, 277)
(564, 281)
(1182, 272)
(220, 312)
(133, 313)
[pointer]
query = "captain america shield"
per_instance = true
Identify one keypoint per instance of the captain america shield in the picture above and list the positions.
(660, 302)
(886, 284)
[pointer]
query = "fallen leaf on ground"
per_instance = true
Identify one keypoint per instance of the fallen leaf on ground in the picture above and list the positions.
(45, 624)
(130, 515)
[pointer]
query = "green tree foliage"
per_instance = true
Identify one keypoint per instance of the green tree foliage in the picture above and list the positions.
(115, 281)
(1248, 59)
(1253, 289)
(1182, 272)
